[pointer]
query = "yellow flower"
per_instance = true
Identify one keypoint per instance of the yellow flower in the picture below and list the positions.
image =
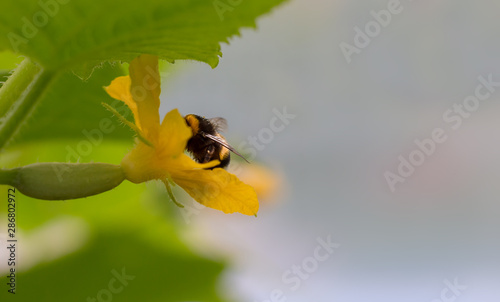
(159, 151)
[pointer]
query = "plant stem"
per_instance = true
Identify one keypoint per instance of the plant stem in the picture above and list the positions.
(16, 84)
(19, 96)
(7, 176)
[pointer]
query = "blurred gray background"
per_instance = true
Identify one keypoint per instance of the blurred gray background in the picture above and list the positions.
(353, 121)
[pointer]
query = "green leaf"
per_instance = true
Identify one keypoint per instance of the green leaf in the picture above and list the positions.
(79, 34)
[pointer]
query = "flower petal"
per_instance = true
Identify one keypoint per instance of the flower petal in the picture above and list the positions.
(174, 134)
(142, 164)
(220, 190)
(120, 89)
(145, 90)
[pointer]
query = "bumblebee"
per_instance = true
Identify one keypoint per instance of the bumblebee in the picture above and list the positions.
(207, 144)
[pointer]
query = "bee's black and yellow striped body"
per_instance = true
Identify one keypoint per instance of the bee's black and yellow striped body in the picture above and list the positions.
(207, 144)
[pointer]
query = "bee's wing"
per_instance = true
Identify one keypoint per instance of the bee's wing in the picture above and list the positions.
(220, 123)
(223, 142)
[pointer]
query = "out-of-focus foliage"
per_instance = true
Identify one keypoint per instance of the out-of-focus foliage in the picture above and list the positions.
(158, 274)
